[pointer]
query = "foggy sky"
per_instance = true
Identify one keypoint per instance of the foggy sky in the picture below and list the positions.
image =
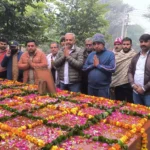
(141, 7)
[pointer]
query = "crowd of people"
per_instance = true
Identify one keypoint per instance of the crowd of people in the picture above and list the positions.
(119, 74)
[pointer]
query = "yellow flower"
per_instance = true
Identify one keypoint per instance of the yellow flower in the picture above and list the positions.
(90, 116)
(54, 148)
(41, 143)
(80, 113)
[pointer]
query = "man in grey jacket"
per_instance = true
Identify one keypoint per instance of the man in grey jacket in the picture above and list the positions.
(69, 62)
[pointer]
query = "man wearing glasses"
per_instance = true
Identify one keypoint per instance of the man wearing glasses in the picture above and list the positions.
(54, 47)
(100, 65)
(88, 49)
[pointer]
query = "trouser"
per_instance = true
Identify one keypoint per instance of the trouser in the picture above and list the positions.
(141, 99)
(124, 93)
(75, 87)
(103, 92)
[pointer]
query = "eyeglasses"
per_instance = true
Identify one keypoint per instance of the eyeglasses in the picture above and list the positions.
(53, 47)
(88, 44)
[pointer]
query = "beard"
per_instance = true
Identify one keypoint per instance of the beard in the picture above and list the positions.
(126, 50)
(117, 49)
(3, 48)
(69, 46)
(143, 47)
(89, 50)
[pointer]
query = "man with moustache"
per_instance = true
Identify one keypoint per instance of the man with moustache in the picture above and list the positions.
(10, 61)
(100, 65)
(123, 90)
(69, 62)
(54, 48)
(88, 49)
(32, 59)
(139, 72)
(3, 47)
(117, 45)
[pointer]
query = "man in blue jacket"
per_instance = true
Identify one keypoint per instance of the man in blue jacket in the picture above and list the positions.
(10, 61)
(100, 64)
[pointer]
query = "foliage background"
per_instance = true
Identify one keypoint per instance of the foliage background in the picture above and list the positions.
(46, 20)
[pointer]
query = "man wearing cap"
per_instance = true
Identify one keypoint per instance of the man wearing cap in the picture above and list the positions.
(10, 61)
(117, 45)
(100, 65)
(116, 50)
(3, 47)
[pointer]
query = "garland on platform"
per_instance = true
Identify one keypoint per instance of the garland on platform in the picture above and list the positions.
(80, 104)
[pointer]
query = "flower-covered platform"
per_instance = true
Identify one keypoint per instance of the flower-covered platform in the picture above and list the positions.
(69, 121)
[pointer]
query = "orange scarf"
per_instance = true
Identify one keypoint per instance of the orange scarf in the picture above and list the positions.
(15, 70)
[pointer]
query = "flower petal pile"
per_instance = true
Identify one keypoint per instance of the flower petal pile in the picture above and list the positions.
(68, 121)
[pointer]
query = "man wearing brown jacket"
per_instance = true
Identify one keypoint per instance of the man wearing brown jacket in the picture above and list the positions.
(139, 72)
(31, 60)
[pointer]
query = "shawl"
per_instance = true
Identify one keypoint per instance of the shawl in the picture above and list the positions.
(123, 61)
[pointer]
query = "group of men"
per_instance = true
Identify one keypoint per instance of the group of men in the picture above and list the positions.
(131, 80)
(92, 70)
(18, 66)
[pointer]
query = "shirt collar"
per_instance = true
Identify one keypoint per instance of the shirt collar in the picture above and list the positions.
(73, 48)
(146, 52)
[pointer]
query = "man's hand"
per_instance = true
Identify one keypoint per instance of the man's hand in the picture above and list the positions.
(66, 52)
(30, 63)
(8, 52)
(140, 90)
(96, 61)
(135, 87)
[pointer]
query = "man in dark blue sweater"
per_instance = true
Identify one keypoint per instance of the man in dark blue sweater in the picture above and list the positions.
(100, 64)
(10, 61)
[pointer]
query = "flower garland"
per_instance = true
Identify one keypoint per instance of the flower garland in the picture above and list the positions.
(72, 108)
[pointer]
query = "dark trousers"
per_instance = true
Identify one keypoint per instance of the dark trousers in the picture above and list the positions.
(124, 93)
(84, 87)
(53, 70)
(103, 92)
(75, 87)
(3, 74)
(84, 83)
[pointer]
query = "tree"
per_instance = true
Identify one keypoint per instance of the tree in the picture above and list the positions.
(84, 18)
(117, 12)
(18, 22)
(148, 15)
(134, 32)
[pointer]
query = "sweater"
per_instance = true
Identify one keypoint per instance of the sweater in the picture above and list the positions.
(99, 77)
